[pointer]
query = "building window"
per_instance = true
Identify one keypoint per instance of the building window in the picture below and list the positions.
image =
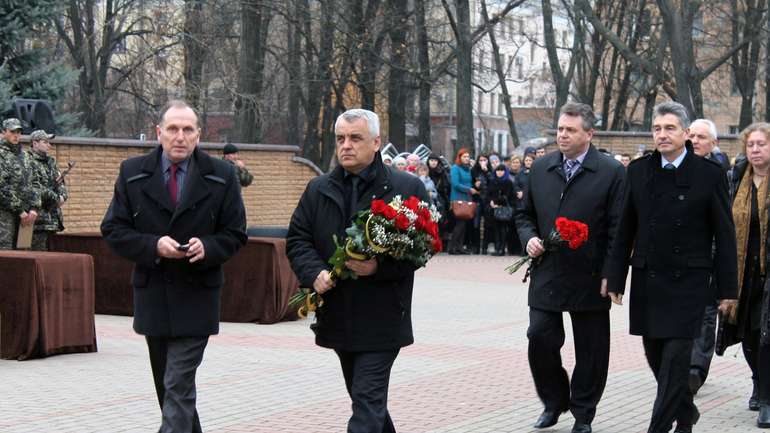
(520, 100)
(519, 68)
(491, 103)
(479, 101)
(564, 38)
(734, 129)
(500, 105)
(532, 48)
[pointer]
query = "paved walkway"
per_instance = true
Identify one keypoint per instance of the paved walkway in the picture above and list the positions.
(467, 372)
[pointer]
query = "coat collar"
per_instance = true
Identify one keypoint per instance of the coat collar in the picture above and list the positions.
(195, 188)
(590, 163)
(683, 174)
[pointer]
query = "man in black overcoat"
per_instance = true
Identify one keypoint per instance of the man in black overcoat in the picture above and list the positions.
(581, 184)
(366, 320)
(177, 213)
(675, 205)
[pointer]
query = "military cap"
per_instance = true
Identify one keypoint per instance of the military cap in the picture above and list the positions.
(40, 135)
(229, 148)
(12, 124)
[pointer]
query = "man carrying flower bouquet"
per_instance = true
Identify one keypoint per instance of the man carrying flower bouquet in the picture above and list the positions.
(577, 183)
(365, 320)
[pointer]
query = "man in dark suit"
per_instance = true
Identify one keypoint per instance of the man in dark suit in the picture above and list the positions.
(581, 184)
(675, 206)
(366, 320)
(177, 213)
(703, 136)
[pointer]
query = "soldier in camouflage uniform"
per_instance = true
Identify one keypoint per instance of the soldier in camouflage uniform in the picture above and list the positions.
(230, 154)
(19, 200)
(52, 191)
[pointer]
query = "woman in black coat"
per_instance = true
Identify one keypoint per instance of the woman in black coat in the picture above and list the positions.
(749, 193)
(500, 194)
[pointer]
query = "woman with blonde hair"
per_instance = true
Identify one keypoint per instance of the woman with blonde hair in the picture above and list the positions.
(749, 318)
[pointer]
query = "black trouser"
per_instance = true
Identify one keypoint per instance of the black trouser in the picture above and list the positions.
(703, 346)
(501, 235)
(174, 361)
(669, 359)
(758, 358)
(514, 243)
(591, 331)
(367, 375)
(458, 235)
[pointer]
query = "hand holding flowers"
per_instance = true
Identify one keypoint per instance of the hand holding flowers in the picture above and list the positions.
(565, 232)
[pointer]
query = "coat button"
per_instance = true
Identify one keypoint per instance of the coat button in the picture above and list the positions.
(677, 274)
(681, 197)
(652, 274)
(677, 250)
(651, 248)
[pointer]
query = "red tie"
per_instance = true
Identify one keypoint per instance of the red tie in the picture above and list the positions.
(172, 184)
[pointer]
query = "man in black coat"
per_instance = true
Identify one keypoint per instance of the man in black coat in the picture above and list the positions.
(675, 206)
(366, 320)
(581, 184)
(177, 213)
(703, 136)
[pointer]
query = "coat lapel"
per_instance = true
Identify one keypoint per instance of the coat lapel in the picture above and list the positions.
(155, 188)
(195, 187)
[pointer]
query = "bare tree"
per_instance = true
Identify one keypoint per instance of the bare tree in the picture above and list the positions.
(255, 23)
(194, 51)
(562, 79)
(500, 70)
(748, 19)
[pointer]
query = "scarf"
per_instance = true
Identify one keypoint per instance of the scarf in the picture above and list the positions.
(742, 219)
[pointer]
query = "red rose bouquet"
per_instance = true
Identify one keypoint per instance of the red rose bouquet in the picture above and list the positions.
(565, 232)
(402, 229)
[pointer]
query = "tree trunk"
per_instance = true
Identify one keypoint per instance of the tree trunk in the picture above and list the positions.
(463, 83)
(747, 22)
(562, 81)
(254, 25)
(500, 69)
(397, 14)
(293, 118)
(319, 81)
(194, 51)
(423, 61)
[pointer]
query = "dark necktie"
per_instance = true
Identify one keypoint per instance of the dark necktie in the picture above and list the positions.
(669, 166)
(354, 194)
(570, 168)
(172, 183)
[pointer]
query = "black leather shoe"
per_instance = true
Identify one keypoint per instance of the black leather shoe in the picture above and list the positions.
(581, 427)
(683, 429)
(763, 419)
(753, 400)
(547, 419)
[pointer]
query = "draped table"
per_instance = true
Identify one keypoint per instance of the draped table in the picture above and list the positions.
(46, 304)
(258, 279)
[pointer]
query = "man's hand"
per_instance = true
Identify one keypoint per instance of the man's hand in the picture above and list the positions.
(519, 195)
(535, 247)
(603, 290)
(323, 282)
(727, 305)
(28, 218)
(166, 248)
(362, 267)
(239, 163)
(196, 251)
(617, 298)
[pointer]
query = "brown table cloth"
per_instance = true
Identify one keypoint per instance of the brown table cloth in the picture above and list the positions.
(46, 304)
(258, 279)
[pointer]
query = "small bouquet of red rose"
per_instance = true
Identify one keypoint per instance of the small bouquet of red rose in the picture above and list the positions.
(566, 232)
(402, 229)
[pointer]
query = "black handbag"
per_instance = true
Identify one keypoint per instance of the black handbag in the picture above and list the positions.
(503, 214)
(726, 335)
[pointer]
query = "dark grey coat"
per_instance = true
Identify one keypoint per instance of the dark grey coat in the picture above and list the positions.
(568, 280)
(370, 313)
(666, 234)
(175, 298)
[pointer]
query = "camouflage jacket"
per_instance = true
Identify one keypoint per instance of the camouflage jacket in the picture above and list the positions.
(18, 191)
(44, 174)
(244, 177)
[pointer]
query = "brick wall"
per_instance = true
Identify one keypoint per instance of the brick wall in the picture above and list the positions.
(618, 142)
(279, 178)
